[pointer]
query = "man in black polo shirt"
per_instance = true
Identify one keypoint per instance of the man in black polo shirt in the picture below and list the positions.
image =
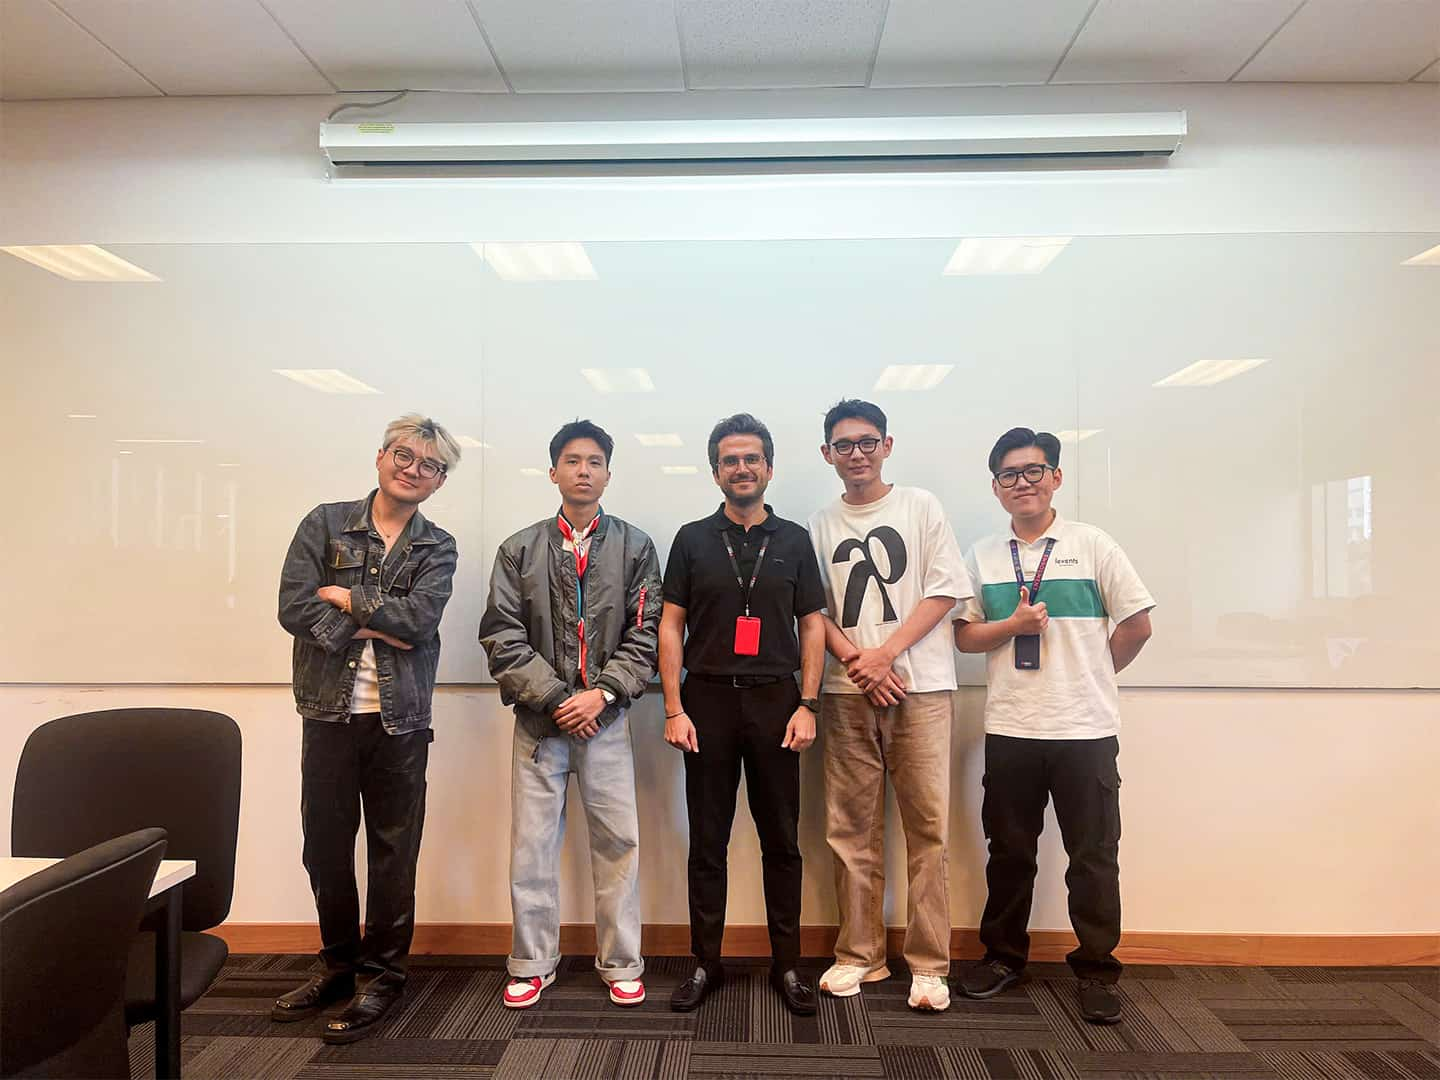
(739, 581)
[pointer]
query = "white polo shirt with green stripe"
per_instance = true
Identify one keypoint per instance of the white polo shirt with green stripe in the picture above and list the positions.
(1089, 584)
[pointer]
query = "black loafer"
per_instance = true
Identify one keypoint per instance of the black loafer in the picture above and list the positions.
(1098, 1002)
(987, 978)
(798, 995)
(307, 1000)
(360, 1016)
(696, 988)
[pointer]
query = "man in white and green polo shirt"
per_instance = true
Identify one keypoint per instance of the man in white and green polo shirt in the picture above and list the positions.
(1048, 593)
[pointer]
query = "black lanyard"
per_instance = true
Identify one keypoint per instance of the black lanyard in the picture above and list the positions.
(1039, 570)
(745, 590)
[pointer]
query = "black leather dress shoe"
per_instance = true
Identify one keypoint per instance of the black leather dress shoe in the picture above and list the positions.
(360, 1016)
(696, 988)
(305, 1001)
(798, 995)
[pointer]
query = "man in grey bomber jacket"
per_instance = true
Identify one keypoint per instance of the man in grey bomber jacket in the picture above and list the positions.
(571, 633)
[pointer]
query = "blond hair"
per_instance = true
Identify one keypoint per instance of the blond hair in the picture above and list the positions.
(426, 430)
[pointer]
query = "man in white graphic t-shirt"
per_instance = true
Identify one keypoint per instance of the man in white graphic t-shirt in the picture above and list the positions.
(1048, 592)
(893, 573)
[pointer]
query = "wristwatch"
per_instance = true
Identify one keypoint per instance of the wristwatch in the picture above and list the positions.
(608, 696)
(811, 703)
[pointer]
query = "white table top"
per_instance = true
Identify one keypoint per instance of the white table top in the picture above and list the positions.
(171, 873)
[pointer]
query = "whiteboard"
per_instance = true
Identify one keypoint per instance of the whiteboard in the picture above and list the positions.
(1277, 516)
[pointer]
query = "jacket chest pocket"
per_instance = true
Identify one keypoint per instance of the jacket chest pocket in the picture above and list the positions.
(399, 580)
(345, 562)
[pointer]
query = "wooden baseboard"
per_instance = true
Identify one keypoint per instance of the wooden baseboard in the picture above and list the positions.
(673, 939)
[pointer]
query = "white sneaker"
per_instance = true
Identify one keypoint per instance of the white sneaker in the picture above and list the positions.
(627, 992)
(843, 980)
(930, 993)
(523, 991)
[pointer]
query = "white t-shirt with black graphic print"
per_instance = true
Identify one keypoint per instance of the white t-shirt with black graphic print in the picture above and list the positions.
(878, 562)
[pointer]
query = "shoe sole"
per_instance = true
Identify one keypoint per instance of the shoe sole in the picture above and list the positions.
(925, 1005)
(342, 1038)
(1106, 1020)
(291, 1016)
(999, 988)
(627, 1003)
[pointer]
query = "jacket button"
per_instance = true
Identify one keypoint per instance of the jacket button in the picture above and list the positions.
(374, 569)
(352, 663)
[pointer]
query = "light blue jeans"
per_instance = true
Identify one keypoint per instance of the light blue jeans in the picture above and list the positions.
(604, 769)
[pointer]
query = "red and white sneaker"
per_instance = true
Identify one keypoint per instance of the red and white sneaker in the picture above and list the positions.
(523, 992)
(627, 992)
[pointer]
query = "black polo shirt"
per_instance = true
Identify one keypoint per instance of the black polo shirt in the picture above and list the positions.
(699, 578)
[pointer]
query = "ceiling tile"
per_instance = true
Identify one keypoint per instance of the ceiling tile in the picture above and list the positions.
(1170, 40)
(974, 42)
(44, 54)
(383, 45)
(743, 44)
(580, 46)
(1351, 41)
(214, 47)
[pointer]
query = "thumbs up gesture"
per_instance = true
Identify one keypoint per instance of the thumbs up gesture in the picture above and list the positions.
(1029, 618)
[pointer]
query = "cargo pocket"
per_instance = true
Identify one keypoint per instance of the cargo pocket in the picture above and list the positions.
(985, 805)
(1110, 808)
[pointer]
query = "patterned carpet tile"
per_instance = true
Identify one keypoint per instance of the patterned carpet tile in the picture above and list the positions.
(1180, 1022)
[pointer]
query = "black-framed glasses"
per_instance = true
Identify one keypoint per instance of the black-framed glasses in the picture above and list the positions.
(405, 457)
(846, 447)
(1033, 474)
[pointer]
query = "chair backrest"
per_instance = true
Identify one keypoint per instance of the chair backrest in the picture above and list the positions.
(85, 778)
(67, 932)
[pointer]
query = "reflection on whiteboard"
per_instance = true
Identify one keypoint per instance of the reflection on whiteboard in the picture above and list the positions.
(1243, 413)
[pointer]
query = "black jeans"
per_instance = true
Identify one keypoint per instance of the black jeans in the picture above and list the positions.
(341, 767)
(1020, 777)
(743, 727)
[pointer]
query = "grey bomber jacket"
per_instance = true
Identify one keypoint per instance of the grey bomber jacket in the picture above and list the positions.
(530, 626)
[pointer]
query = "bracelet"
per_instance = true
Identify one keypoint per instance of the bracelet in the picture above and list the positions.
(672, 715)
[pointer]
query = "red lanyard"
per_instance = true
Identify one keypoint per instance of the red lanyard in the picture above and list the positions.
(581, 562)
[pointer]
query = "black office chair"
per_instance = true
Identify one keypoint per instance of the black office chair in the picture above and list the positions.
(66, 934)
(82, 778)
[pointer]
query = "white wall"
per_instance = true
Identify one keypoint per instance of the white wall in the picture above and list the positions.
(1278, 811)
(228, 170)
(1258, 811)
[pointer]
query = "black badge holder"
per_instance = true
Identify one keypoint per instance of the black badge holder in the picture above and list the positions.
(1027, 646)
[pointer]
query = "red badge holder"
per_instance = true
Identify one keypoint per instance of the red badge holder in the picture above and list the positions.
(747, 635)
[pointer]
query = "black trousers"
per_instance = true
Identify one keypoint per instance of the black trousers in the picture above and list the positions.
(743, 727)
(1021, 775)
(342, 767)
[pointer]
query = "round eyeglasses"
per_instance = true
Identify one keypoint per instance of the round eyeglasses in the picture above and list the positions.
(405, 457)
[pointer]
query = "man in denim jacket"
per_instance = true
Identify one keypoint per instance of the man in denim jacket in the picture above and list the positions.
(570, 630)
(362, 591)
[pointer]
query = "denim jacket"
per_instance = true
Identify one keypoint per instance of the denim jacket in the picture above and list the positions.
(402, 594)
